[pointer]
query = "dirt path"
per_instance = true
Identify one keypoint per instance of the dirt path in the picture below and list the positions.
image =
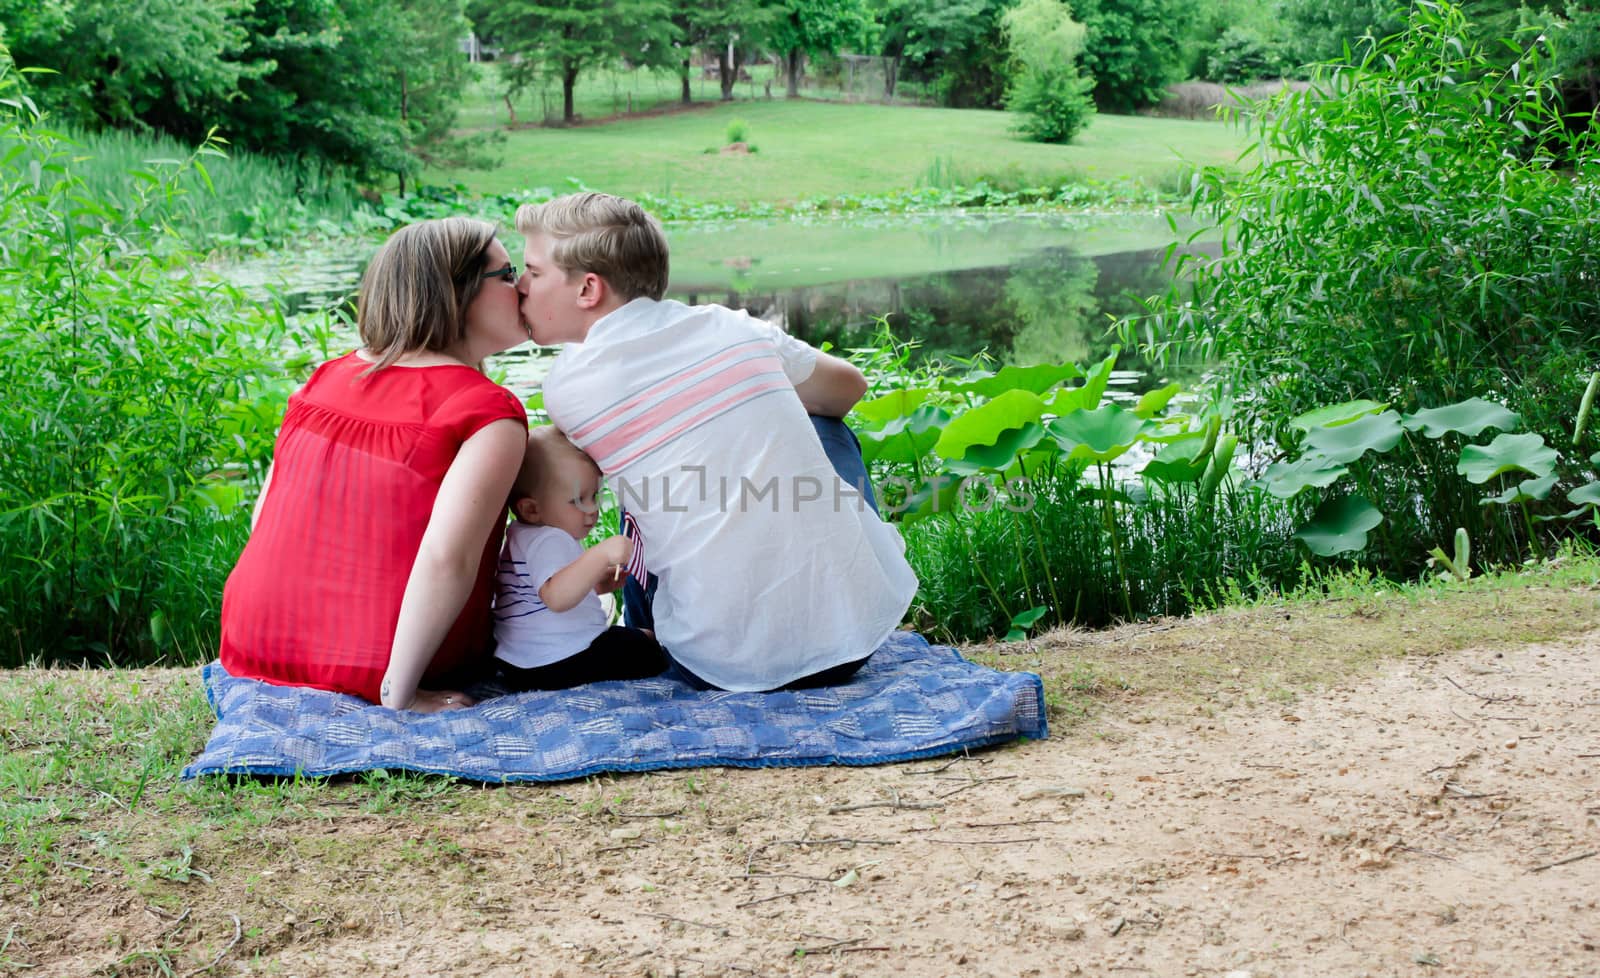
(1439, 819)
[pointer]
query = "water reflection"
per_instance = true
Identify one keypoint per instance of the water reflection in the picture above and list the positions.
(1055, 306)
(1050, 304)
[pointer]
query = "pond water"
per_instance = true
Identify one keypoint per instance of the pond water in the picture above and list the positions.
(1017, 288)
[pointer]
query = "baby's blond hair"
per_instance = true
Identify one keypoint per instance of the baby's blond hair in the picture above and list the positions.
(547, 447)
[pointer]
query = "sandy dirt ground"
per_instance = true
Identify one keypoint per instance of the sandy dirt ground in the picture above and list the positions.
(1439, 819)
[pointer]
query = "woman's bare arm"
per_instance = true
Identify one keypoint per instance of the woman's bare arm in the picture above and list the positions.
(470, 500)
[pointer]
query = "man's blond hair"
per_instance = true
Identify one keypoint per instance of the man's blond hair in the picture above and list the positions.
(612, 237)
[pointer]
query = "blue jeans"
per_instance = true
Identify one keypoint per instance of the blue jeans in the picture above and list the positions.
(843, 449)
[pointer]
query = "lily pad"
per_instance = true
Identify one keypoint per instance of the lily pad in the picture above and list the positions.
(1335, 414)
(1507, 453)
(1527, 491)
(1347, 442)
(1339, 526)
(1285, 480)
(1470, 417)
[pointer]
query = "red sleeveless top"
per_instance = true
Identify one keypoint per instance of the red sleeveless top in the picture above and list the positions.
(316, 594)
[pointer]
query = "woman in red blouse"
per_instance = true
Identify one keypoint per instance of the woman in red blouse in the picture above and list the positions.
(370, 566)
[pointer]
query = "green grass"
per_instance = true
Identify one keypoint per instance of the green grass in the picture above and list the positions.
(816, 148)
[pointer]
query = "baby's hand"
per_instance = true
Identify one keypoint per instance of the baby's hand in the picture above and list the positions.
(618, 551)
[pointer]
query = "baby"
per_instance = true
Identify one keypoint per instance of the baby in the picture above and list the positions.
(550, 629)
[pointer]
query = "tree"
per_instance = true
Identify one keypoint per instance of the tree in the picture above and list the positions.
(719, 25)
(1134, 48)
(1320, 30)
(813, 27)
(956, 45)
(1048, 89)
(560, 38)
(129, 62)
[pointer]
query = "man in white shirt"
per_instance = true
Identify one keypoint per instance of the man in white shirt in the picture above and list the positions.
(772, 568)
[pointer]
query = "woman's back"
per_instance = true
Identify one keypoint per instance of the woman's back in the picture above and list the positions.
(316, 594)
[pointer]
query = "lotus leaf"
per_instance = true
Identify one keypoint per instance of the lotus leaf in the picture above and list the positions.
(905, 439)
(1182, 460)
(1035, 380)
(1527, 491)
(1470, 417)
(1335, 414)
(1024, 621)
(1099, 435)
(941, 494)
(1087, 396)
(1285, 480)
(1154, 402)
(1347, 442)
(895, 404)
(1588, 495)
(1507, 453)
(1339, 526)
(984, 424)
(1003, 454)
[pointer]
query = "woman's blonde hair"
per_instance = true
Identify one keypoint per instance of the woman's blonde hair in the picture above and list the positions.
(612, 237)
(416, 290)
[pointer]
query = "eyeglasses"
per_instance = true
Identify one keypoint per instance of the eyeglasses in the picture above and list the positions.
(509, 274)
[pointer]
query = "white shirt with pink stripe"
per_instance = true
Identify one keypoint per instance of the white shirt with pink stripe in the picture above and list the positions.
(769, 568)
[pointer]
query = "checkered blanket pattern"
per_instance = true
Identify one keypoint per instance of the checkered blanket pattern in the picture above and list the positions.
(911, 700)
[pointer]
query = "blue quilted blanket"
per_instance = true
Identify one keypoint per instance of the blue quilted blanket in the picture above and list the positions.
(911, 700)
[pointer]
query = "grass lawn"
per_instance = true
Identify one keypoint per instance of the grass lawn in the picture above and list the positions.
(812, 147)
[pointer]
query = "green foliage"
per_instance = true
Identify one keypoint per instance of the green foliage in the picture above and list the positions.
(1048, 89)
(560, 39)
(1241, 56)
(818, 27)
(364, 85)
(957, 46)
(1134, 49)
(736, 132)
(1405, 239)
(117, 357)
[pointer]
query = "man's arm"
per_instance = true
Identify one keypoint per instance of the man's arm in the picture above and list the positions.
(833, 388)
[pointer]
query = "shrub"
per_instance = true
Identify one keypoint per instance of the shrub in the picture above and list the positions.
(118, 361)
(737, 131)
(1241, 56)
(1405, 238)
(1055, 104)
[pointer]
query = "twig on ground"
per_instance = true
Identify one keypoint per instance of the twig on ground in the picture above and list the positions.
(897, 805)
(997, 825)
(238, 932)
(617, 814)
(1237, 855)
(974, 783)
(775, 896)
(982, 842)
(1426, 852)
(784, 876)
(1481, 696)
(1461, 792)
(947, 765)
(618, 849)
(680, 920)
(1563, 862)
